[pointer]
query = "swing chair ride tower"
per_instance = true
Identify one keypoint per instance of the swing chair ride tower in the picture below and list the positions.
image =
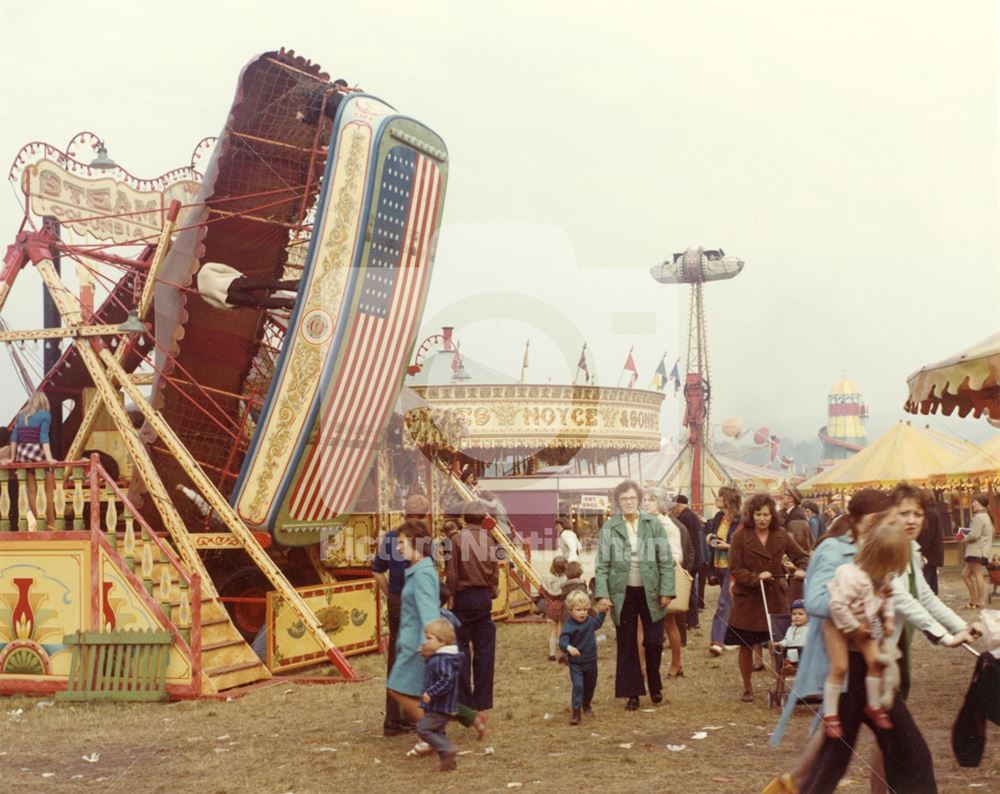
(695, 469)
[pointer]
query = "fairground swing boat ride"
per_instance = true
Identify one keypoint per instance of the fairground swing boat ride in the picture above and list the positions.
(261, 335)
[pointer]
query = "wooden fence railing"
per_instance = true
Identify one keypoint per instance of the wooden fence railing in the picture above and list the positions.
(86, 498)
(118, 665)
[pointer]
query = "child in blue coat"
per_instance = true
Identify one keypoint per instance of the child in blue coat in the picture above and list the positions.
(579, 640)
(439, 699)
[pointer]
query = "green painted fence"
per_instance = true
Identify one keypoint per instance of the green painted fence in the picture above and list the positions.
(118, 665)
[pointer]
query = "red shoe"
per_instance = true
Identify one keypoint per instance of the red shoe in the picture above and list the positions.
(880, 717)
(480, 725)
(832, 727)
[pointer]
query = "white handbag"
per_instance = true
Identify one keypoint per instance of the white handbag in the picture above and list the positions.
(682, 585)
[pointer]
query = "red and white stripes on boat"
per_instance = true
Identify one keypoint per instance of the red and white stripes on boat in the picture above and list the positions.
(380, 336)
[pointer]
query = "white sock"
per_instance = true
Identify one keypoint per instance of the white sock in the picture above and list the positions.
(873, 690)
(553, 646)
(831, 699)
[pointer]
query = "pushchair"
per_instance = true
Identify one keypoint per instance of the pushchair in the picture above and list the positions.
(780, 666)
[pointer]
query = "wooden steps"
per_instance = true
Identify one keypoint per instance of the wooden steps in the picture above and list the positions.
(227, 660)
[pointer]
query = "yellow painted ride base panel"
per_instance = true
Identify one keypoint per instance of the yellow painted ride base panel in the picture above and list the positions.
(348, 612)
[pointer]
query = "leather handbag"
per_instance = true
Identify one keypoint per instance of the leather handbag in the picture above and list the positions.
(682, 585)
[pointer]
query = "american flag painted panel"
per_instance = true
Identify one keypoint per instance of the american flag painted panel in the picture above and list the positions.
(380, 334)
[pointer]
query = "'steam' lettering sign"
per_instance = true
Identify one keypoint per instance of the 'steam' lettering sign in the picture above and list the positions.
(103, 208)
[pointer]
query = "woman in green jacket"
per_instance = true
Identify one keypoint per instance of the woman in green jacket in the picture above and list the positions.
(634, 578)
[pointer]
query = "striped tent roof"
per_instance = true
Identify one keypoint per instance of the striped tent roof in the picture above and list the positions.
(903, 453)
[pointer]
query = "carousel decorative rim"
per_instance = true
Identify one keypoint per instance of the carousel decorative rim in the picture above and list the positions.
(524, 416)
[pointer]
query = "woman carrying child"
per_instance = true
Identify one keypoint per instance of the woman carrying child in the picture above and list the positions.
(861, 615)
(823, 761)
(551, 590)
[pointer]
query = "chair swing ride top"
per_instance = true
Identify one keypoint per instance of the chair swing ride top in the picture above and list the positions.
(274, 376)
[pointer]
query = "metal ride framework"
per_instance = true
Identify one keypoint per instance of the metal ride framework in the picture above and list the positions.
(697, 391)
(696, 469)
(110, 356)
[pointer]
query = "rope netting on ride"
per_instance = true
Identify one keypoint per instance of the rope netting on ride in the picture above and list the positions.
(213, 367)
(266, 176)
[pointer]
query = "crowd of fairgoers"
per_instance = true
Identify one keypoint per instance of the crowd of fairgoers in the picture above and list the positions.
(830, 596)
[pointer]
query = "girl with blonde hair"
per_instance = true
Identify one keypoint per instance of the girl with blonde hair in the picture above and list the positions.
(30, 444)
(861, 613)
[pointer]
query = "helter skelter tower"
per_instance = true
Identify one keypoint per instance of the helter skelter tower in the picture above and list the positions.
(696, 472)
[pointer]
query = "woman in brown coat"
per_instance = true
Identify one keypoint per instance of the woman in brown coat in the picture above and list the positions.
(755, 556)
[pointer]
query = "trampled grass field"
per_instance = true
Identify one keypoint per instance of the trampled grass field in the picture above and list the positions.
(298, 738)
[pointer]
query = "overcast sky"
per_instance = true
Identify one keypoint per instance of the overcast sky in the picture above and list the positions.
(848, 153)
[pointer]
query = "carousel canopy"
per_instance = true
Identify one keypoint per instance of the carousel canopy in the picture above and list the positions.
(904, 453)
(980, 465)
(969, 381)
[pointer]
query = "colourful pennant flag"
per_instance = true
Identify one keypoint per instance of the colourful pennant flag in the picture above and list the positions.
(675, 376)
(631, 368)
(582, 365)
(660, 376)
